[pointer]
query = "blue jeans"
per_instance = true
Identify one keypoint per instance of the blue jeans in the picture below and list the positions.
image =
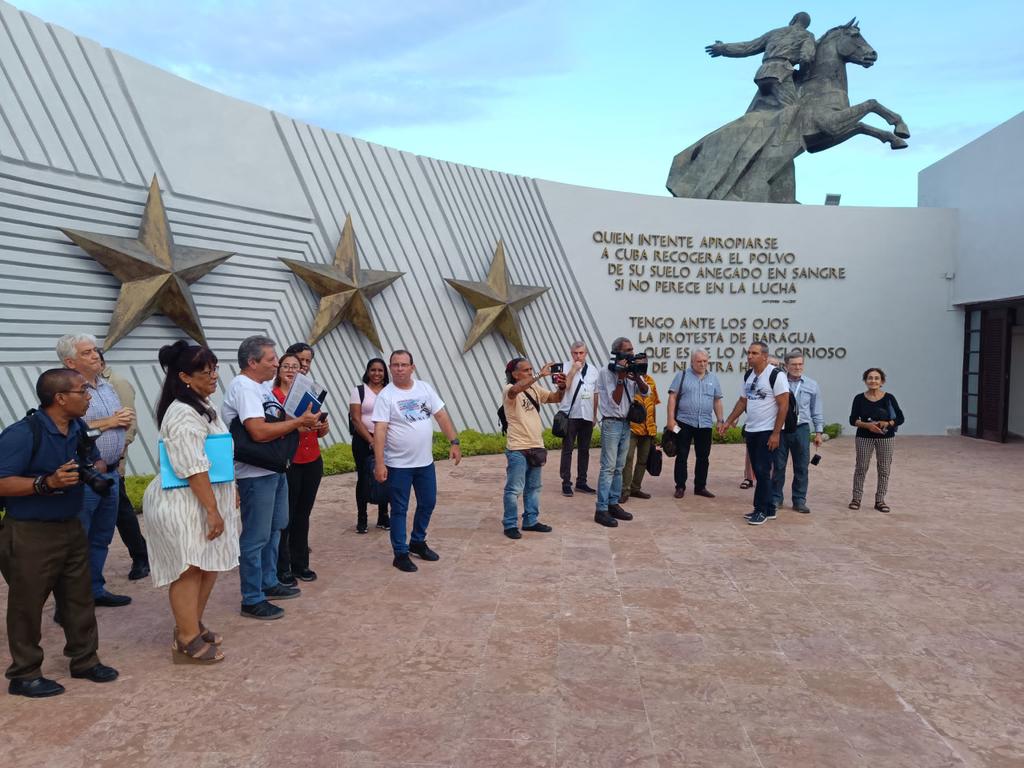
(264, 508)
(798, 445)
(402, 480)
(761, 462)
(521, 480)
(614, 447)
(99, 516)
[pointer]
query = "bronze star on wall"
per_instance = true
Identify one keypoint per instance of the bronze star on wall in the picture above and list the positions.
(497, 302)
(154, 272)
(344, 289)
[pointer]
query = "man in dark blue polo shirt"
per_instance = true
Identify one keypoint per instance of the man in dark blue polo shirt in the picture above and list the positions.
(43, 547)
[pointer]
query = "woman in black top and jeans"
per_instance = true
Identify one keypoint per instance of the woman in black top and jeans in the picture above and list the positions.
(375, 378)
(876, 415)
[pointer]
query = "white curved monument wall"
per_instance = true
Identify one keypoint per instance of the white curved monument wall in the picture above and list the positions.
(84, 128)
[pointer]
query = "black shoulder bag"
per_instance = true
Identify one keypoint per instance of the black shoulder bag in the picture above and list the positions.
(560, 426)
(275, 455)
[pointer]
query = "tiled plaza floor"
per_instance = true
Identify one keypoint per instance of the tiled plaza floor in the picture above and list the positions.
(682, 639)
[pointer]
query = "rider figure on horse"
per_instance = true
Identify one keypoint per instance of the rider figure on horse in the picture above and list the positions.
(784, 49)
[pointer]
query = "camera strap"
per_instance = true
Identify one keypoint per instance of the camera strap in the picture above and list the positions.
(582, 373)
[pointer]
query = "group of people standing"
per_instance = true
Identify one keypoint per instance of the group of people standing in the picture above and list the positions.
(60, 464)
(784, 418)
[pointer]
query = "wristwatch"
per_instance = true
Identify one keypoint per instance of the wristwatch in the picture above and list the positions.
(454, 442)
(40, 487)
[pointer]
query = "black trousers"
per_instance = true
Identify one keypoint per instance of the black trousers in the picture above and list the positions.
(303, 484)
(361, 452)
(578, 435)
(36, 559)
(128, 526)
(701, 439)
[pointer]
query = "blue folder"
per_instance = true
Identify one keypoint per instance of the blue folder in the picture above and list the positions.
(220, 450)
(306, 401)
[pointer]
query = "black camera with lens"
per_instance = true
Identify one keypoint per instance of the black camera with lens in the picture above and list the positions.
(629, 364)
(87, 472)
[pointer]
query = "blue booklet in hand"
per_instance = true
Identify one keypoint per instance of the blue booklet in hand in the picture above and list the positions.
(220, 450)
(306, 401)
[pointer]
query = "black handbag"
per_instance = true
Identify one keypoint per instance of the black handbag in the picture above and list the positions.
(654, 462)
(376, 491)
(275, 455)
(668, 443)
(637, 413)
(560, 426)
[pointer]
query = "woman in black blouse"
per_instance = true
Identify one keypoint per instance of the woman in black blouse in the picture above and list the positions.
(876, 415)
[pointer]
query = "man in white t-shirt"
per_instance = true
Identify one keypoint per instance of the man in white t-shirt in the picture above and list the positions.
(263, 493)
(403, 438)
(765, 398)
(580, 404)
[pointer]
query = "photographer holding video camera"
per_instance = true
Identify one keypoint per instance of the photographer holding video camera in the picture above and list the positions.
(46, 459)
(80, 353)
(616, 386)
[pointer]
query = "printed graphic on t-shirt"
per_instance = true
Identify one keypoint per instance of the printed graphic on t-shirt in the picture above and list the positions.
(414, 409)
(525, 405)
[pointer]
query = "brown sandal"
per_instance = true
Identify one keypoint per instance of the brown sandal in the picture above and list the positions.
(199, 651)
(207, 634)
(881, 507)
(854, 504)
(747, 484)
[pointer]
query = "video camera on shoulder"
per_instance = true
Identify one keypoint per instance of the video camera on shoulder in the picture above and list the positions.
(629, 364)
(87, 472)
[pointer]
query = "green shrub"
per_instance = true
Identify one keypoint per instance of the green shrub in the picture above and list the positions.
(833, 430)
(135, 485)
(338, 459)
(732, 435)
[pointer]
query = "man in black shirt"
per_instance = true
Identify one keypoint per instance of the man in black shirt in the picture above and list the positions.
(43, 547)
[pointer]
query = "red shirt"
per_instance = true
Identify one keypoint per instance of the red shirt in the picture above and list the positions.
(309, 445)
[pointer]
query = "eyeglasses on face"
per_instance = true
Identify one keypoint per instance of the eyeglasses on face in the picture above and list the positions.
(82, 391)
(291, 367)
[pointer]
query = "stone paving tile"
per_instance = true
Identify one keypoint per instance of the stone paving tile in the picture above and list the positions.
(684, 638)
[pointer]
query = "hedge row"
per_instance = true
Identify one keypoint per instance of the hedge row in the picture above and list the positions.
(338, 457)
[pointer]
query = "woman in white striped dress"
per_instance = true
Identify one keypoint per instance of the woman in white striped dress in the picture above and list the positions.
(192, 531)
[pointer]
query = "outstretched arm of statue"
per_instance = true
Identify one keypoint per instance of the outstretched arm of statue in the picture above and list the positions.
(737, 50)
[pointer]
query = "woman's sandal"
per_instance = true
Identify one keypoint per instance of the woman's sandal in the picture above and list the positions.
(882, 507)
(199, 651)
(747, 484)
(207, 634)
(854, 504)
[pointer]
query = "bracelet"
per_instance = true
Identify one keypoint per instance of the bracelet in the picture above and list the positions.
(454, 442)
(40, 488)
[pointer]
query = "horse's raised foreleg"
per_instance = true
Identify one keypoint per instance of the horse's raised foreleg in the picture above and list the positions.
(892, 118)
(885, 137)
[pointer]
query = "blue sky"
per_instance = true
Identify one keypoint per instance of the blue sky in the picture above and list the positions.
(594, 93)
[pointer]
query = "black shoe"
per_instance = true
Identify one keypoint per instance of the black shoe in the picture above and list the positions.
(771, 515)
(35, 688)
(281, 592)
(758, 518)
(584, 488)
(361, 522)
(619, 513)
(750, 514)
(107, 600)
(567, 489)
(361, 528)
(384, 525)
(513, 533)
(264, 611)
(140, 570)
(305, 574)
(97, 673)
(802, 508)
(601, 517)
(640, 494)
(538, 528)
(287, 578)
(421, 550)
(704, 492)
(403, 563)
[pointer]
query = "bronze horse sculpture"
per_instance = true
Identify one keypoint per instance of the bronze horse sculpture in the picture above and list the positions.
(751, 158)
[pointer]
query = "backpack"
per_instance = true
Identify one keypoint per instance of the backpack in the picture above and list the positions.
(351, 424)
(791, 415)
(37, 439)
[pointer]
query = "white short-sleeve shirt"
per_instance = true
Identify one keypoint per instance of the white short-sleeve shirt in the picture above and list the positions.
(761, 405)
(409, 414)
(245, 399)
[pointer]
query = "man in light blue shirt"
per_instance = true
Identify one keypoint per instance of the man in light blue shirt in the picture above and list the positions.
(810, 414)
(694, 407)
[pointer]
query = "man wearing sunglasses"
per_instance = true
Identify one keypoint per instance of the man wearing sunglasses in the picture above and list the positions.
(43, 546)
